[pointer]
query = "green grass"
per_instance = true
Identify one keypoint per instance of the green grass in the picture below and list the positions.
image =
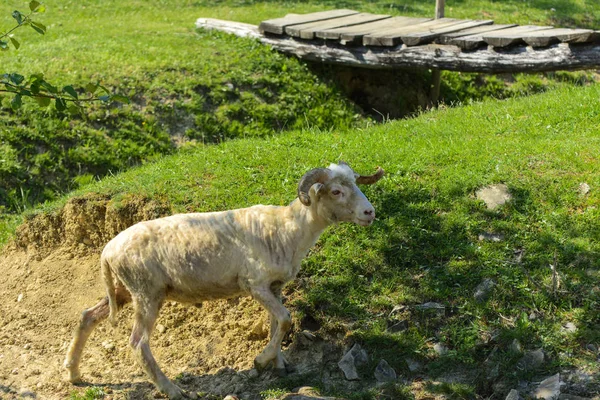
(190, 87)
(424, 245)
(93, 393)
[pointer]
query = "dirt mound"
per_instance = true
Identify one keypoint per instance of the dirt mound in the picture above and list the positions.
(85, 224)
(50, 273)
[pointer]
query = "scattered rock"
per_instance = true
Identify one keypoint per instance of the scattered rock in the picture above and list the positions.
(438, 308)
(108, 345)
(513, 395)
(230, 397)
(583, 189)
(490, 237)
(413, 365)
(161, 328)
(440, 349)
(397, 309)
(397, 326)
(531, 361)
(592, 347)
(27, 346)
(20, 297)
(494, 196)
(253, 373)
(549, 389)
(352, 359)
(309, 335)
(307, 391)
(515, 346)
(569, 327)
(484, 289)
(385, 373)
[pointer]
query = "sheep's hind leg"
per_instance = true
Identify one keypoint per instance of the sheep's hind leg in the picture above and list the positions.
(146, 312)
(282, 366)
(280, 324)
(90, 318)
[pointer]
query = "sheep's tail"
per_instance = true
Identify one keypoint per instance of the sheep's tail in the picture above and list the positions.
(109, 283)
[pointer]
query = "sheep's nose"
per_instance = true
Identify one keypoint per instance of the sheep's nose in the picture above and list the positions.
(369, 212)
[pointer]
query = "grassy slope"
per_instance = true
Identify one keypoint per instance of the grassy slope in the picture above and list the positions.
(424, 246)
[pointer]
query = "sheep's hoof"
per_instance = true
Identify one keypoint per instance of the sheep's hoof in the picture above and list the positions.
(281, 372)
(258, 366)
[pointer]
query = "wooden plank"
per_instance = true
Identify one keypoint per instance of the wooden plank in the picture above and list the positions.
(470, 42)
(550, 36)
(307, 31)
(392, 37)
(559, 57)
(476, 32)
(414, 39)
(351, 34)
(278, 25)
(510, 36)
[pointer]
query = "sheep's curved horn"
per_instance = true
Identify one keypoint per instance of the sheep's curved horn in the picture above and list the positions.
(320, 175)
(371, 179)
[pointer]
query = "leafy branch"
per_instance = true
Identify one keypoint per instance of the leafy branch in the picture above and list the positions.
(36, 87)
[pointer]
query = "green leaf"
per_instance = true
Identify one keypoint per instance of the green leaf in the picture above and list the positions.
(18, 16)
(60, 104)
(43, 101)
(49, 87)
(70, 91)
(74, 109)
(33, 5)
(3, 45)
(15, 78)
(105, 98)
(121, 99)
(38, 27)
(15, 42)
(16, 102)
(91, 88)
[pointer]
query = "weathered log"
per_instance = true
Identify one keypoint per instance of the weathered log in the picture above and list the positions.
(562, 56)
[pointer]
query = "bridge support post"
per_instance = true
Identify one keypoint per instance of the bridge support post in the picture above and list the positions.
(436, 74)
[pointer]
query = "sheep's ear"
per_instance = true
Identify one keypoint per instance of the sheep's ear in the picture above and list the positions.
(315, 189)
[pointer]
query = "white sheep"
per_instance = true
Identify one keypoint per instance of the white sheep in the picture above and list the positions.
(195, 257)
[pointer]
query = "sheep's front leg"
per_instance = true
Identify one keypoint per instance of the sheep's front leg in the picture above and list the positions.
(281, 322)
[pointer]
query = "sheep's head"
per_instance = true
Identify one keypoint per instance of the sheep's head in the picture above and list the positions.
(335, 196)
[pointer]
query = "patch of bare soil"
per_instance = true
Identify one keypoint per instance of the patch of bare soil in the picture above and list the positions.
(50, 273)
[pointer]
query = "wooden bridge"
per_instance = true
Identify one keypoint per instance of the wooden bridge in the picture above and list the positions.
(382, 41)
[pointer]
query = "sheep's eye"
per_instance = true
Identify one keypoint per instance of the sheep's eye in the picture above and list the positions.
(335, 192)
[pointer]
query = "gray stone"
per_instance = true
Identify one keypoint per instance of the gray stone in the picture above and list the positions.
(591, 347)
(569, 327)
(583, 189)
(484, 289)
(413, 365)
(431, 306)
(513, 395)
(494, 196)
(440, 349)
(398, 326)
(549, 389)
(385, 373)
(490, 237)
(531, 361)
(253, 373)
(352, 359)
(515, 346)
